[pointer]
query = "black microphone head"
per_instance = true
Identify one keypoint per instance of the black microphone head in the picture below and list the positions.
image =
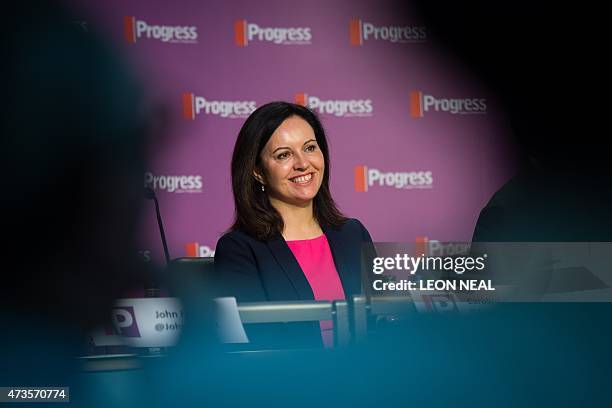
(148, 192)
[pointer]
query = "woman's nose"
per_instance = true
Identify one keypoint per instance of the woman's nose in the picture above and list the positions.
(301, 162)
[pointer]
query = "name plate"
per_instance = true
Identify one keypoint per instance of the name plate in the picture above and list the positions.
(148, 322)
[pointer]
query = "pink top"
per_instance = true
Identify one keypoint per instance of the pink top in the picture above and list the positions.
(315, 258)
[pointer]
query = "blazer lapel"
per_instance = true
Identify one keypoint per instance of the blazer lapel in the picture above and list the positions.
(281, 251)
(342, 260)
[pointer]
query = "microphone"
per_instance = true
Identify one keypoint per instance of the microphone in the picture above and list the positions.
(149, 194)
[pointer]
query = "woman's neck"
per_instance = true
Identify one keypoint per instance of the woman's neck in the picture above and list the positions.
(299, 221)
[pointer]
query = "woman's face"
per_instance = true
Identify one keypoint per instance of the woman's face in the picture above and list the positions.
(292, 162)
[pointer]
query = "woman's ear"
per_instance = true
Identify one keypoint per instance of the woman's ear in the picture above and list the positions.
(258, 176)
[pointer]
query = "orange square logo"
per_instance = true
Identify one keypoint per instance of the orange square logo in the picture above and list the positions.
(240, 33)
(129, 29)
(361, 180)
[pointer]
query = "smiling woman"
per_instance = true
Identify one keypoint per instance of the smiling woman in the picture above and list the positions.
(289, 241)
(292, 166)
(280, 174)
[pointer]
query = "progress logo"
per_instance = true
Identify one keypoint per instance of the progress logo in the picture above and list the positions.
(361, 32)
(246, 32)
(135, 30)
(422, 104)
(368, 178)
(342, 108)
(195, 105)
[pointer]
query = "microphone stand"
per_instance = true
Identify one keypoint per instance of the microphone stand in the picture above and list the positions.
(149, 194)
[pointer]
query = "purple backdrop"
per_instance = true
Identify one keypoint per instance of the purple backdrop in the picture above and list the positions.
(417, 143)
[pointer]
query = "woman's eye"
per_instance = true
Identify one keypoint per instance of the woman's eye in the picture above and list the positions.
(311, 148)
(282, 156)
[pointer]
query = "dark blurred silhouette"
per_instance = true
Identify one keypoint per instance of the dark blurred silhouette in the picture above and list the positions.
(72, 164)
(73, 139)
(543, 61)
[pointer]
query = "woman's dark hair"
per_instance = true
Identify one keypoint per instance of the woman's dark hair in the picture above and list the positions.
(255, 215)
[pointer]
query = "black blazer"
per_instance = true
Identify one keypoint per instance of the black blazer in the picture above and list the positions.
(254, 271)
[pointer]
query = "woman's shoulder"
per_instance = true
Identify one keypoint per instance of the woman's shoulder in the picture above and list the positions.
(354, 226)
(235, 236)
(239, 239)
(231, 244)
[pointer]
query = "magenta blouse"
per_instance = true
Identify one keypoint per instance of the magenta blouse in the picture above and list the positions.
(315, 258)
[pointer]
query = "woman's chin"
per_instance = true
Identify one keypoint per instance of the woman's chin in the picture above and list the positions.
(303, 193)
(302, 201)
